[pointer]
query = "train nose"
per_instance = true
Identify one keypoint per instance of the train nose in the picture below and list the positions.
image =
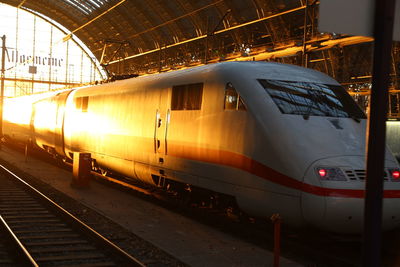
(335, 198)
(346, 215)
(391, 213)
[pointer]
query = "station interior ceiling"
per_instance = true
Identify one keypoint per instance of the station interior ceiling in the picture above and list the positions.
(133, 37)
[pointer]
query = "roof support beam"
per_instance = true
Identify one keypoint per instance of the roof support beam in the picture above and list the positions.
(215, 33)
(21, 4)
(66, 38)
(173, 20)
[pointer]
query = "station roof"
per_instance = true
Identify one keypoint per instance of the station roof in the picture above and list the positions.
(144, 36)
(115, 29)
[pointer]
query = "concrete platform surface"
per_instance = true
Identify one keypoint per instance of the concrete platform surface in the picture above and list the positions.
(187, 240)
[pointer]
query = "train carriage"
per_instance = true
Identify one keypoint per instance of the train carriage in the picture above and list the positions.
(276, 138)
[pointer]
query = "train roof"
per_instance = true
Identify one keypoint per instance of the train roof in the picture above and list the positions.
(274, 71)
(254, 69)
(243, 70)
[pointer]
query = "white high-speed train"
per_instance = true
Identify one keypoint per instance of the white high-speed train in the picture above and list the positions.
(275, 138)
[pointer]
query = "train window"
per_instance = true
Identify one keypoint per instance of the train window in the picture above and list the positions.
(78, 102)
(312, 99)
(233, 101)
(187, 97)
(82, 103)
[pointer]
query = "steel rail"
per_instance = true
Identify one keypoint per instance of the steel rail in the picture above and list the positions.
(76, 223)
(23, 256)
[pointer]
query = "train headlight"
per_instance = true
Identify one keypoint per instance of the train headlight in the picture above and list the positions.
(395, 174)
(330, 174)
(322, 172)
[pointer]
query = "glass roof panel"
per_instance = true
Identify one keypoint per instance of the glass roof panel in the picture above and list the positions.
(87, 7)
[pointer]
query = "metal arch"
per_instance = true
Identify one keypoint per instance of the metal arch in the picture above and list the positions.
(100, 14)
(51, 11)
(173, 27)
(84, 51)
(161, 33)
(232, 19)
(193, 24)
(54, 25)
(204, 21)
(152, 37)
(257, 7)
(260, 13)
(194, 17)
(127, 18)
(232, 28)
(62, 7)
(277, 37)
(266, 25)
(69, 19)
(173, 20)
(231, 10)
(117, 34)
(166, 28)
(147, 40)
(91, 4)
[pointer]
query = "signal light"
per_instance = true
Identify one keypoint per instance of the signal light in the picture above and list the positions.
(322, 172)
(396, 174)
(331, 174)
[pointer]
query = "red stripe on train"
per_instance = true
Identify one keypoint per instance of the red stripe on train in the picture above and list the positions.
(254, 167)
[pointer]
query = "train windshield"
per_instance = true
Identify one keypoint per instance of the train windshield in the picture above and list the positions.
(312, 99)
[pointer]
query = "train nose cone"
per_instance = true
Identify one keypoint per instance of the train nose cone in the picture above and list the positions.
(333, 198)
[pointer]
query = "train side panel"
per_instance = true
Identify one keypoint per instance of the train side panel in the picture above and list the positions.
(110, 127)
(48, 123)
(138, 133)
(133, 128)
(18, 116)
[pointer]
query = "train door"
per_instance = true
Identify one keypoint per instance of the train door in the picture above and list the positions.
(161, 124)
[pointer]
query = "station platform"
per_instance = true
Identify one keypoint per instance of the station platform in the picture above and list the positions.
(189, 241)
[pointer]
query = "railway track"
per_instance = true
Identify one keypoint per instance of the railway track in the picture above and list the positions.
(40, 232)
(297, 246)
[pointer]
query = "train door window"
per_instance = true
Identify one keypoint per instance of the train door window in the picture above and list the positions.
(82, 103)
(187, 97)
(233, 101)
